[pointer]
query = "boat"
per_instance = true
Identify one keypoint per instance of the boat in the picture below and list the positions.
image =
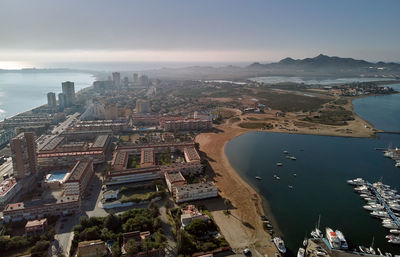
(356, 182)
(259, 178)
(379, 251)
(394, 231)
(394, 239)
(294, 174)
(362, 188)
(301, 252)
(280, 245)
(343, 242)
(371, 248)
(390, 225)
(292, 158)
(305, 242)
(316, 233)
(373, 207)
(279, 164)
(388, 254)
(285, 152)
(380, 214)
(289, 186)
(332, 238)
(397, 164)
(363, 249)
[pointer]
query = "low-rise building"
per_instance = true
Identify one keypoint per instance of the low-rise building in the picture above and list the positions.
(35, 227)
(8, 189)
(169, 124)
(133, 175)
(39, 209)
(184, 168)
(190, 213)
(174, 179)
(147, 158)
(92, 248)
(79, 177)
(196, 191)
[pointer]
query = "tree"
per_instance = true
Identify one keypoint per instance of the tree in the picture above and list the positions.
(112, 222)
(116, 250)
(197, 227)
(227, 203)
(132, 247)
(185, 245)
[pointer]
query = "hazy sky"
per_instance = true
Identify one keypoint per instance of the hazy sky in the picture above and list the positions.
(44, 31)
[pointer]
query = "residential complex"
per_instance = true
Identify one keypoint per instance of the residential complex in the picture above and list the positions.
(68, 89)
(78, 179)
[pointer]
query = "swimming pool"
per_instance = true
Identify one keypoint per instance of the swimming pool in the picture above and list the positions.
(57, 176)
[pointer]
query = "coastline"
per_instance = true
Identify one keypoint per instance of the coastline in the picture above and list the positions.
(233, 187)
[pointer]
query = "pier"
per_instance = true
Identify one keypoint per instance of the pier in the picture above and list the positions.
(315, 248)
(383, 202)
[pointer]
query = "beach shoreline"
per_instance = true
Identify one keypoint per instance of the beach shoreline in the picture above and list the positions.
(229, 182)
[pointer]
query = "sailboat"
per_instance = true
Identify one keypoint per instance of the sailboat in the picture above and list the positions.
(316, 233)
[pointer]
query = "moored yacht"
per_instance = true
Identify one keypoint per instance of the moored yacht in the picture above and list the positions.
(343, 242)
(380, 214)
(356, 182)
(301, 252)
(332, 238)
(280, 244)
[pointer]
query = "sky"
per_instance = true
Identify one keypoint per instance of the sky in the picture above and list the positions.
(43, 32)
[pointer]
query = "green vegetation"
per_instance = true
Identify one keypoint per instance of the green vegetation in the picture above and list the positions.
(255, 125)
(200, 236)
(338, 117)
(136, 198)
(112, 227)
(18, 244)
(341, 101)
(164, 158)
(133, 162)
(192, 179)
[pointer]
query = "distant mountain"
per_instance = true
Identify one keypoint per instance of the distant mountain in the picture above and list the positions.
(323, 61)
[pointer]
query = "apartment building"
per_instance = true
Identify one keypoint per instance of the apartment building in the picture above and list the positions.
(79, 177)
(23, 153)
(192, 192)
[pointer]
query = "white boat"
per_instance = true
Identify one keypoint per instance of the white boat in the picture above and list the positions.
(292, 158)
(259, 178)
(285, 152)
(362, 188)
(343, 242)
(332, 238)
(316, 233)
(301, 252)
(390, 225)
(280, 245)
(397, 164)
(356, 182)
(380, 214)
(279, 164)
(379, 251)
(374, 207)
(395, 231)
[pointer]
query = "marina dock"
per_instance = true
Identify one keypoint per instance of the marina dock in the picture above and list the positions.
(314, 247)
(383, 202)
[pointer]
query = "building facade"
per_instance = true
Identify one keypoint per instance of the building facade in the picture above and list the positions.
(78, 178)
(194, 192)
(23, 153)
(51, 99)
(68, 89)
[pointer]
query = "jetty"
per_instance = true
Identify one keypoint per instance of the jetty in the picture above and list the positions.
(383, 202)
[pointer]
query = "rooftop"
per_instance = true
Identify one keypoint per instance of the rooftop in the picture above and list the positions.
(35, 223)
(52, 144)
(78, 170)
(197, 186)
(6, 185)
(147, 156)
(120, 159)
(175, 177)
(100, 141)
(191, 154)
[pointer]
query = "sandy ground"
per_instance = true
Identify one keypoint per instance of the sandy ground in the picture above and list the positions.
(244, 228)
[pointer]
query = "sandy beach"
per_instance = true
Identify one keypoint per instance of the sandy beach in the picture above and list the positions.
(243, 227)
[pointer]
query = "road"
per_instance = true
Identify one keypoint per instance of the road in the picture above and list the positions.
(64, 235)
(171, 249)
(65, 124)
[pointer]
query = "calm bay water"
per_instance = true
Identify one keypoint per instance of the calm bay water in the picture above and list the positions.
(323, 165)
(21, 92)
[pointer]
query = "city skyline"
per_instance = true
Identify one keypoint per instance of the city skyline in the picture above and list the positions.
(178, 31)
